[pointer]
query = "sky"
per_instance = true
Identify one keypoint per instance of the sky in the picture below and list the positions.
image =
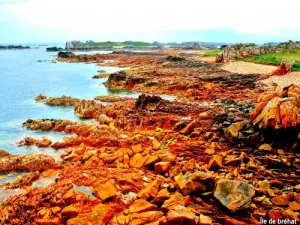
(231, 21)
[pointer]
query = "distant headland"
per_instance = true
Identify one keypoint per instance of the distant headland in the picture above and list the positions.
(12, 47)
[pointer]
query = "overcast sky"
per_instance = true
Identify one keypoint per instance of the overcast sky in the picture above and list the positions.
(24, 21)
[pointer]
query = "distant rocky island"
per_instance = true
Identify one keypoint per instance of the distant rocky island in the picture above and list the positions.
(12, 47)
(54, 49)
(109, 45)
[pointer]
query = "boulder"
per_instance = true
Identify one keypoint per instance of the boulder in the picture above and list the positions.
(105, 191)
(233, 194)
(278, 109)
(190, 182)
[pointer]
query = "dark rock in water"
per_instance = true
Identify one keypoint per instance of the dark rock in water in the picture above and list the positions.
(54, 49)
(65, 54)
(11, 47)
(233, 194)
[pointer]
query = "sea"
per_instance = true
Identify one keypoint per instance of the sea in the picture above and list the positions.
(24, 74)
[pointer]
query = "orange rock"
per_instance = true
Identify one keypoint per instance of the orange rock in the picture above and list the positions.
(151, 159)
(150, 190)
(70, 196)
(45, 142)
(216, 162)
(162, 167)
(49, 221)
(162, 196)
(155, 144)
(181, 215)
(280, 200)
(188, 129)
(70, 211)
(137, 161)
(99, 215)
(295, 206)
(141, 205)
(106, 191)
(137, 148)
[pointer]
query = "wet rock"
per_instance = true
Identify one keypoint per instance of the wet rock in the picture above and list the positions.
(233, 194)
(66, 54)
(28, 162)
(22, 181)
(58, 101)
(3, 153)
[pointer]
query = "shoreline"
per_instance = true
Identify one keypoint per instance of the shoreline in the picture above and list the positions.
(155, 161)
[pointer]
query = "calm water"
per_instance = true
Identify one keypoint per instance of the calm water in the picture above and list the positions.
(22, 78)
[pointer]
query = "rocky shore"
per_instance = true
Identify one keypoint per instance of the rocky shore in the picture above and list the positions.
(225, 151)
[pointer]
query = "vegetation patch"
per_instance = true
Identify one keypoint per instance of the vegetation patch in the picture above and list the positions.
(211, 52)
(276, 58)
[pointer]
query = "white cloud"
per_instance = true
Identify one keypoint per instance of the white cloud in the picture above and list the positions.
(95, 18)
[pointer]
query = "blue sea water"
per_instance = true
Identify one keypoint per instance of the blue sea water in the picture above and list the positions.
(22, 78)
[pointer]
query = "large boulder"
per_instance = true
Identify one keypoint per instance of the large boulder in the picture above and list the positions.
(233, 194)
(278, 109)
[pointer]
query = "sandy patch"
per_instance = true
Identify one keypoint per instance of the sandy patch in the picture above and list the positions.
(280, 82)
(248, 68)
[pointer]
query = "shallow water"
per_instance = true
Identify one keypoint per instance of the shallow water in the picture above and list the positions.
(24, 74)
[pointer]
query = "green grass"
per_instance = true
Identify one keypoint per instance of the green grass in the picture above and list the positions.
(211, 52)
(275, 59)
(296, 67)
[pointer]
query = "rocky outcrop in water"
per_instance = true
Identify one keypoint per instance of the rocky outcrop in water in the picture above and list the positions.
(58, 101)
(28, 162)
(54, 49)
(13, 47)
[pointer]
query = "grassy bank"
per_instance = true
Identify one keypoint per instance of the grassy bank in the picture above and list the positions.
(211, 52)
(275, 59)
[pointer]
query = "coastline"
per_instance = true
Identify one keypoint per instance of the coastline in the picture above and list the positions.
(155, 161)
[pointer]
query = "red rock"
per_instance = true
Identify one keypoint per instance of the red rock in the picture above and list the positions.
(162, 167)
